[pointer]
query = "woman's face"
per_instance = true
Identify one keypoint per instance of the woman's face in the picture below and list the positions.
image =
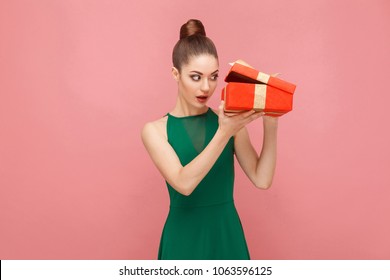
(198, 79)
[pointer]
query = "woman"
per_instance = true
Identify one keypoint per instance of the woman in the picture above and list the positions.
(193, 147)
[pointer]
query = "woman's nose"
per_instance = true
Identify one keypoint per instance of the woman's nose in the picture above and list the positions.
(205, 87)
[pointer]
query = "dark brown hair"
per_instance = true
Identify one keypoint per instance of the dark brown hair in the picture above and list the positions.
(193, 42)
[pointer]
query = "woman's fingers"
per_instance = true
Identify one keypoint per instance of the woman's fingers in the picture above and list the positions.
(256, 115)
(251, 113)
(242, 115)
(247, 114)
(232, 124)
(253, 117)
(244, 118)
(220, 108)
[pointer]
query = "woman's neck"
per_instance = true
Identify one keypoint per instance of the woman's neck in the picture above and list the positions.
(182, 109)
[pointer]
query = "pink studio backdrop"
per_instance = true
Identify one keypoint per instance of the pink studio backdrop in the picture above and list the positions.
(78, 79)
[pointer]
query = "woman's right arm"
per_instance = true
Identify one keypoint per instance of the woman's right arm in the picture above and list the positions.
(185, 179)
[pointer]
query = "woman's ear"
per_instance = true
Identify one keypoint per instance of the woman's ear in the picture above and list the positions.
(175, 73)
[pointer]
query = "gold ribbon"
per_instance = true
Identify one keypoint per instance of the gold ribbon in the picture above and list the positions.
(260, 96)
(262, 77)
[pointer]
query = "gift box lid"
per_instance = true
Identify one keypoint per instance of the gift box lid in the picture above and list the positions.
(242, 72)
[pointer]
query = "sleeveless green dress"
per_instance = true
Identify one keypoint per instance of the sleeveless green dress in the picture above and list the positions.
(204, 225)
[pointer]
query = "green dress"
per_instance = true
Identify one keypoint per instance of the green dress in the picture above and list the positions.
(204, 225)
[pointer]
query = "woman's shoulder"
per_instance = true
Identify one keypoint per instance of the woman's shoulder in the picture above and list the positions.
(156, 128)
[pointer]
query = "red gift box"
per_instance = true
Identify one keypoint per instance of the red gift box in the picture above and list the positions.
(260, 97)
(249, 89)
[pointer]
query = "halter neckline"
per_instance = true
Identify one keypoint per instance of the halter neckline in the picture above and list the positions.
(192, 116)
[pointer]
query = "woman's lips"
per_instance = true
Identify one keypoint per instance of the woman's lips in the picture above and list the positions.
(202, 98)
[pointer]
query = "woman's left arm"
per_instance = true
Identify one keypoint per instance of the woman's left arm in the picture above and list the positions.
(259, 168)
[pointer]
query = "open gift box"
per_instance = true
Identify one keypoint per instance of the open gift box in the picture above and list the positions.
(249, 89)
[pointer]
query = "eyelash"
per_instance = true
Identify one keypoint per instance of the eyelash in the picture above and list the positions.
(215, 77)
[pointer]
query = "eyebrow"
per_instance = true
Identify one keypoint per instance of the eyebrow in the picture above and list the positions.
(200, 73)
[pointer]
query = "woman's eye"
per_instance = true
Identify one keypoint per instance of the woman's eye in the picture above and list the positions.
(214, 78)
(195, 77)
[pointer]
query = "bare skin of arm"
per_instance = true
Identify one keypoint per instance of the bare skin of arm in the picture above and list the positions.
(260, 169)
(185, 179)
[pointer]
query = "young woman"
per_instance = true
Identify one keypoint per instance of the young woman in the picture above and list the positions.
(193, 147)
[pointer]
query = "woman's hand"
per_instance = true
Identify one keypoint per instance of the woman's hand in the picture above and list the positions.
(230, 125)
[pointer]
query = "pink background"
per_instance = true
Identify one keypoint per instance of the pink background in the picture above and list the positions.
(78, 79)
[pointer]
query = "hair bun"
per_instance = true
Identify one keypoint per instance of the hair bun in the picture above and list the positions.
(192, 27)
